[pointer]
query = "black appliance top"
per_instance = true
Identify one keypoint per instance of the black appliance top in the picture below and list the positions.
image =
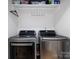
(27, 33)
(47, 33)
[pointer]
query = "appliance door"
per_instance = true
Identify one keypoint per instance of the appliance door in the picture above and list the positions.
(51, 49)
(22, 50)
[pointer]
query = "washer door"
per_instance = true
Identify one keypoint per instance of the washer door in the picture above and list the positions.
(50, 49)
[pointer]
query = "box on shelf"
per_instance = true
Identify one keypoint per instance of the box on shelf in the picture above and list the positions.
(24, 1)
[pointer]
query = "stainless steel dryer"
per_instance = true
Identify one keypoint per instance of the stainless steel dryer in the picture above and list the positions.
(23, 46)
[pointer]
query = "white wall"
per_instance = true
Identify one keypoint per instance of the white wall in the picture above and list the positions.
(12, 21)
(35, 20)
(63, 26)
(62, 23)
(12, 25)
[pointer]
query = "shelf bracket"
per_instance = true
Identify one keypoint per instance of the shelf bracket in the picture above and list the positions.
(14, 12)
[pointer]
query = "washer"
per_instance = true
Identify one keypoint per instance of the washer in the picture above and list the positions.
(51, 45)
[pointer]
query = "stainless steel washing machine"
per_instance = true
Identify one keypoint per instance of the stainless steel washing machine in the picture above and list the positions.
(51, 45)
